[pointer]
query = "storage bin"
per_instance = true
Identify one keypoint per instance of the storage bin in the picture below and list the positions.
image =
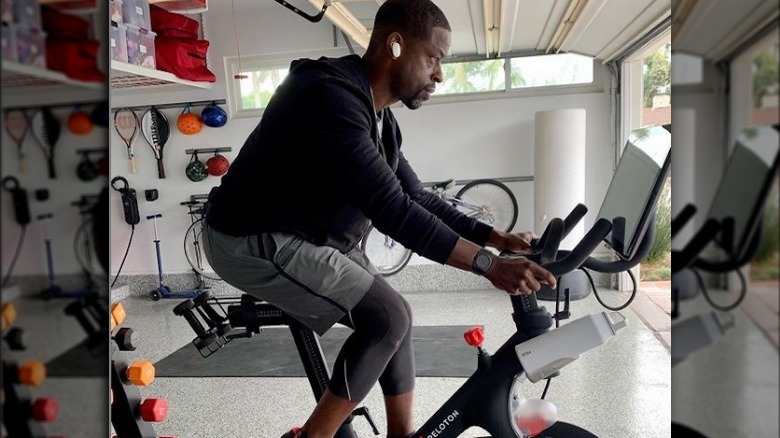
(10, 49)
(140, 46)
(136, 13)
(31, 46)
(27, 13)
(7, 8)
(118, 43)
(115, 14)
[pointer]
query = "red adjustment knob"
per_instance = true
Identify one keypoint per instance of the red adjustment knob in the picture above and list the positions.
(154, 409)
(45, 409)
(475, 336)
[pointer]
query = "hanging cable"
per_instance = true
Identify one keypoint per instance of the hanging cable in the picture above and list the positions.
(240, 74)
(709, 299)
(129, 242)
(15, 257)
(598, 297)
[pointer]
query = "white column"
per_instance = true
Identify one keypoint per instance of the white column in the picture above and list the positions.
(684, 172)
(559, 168)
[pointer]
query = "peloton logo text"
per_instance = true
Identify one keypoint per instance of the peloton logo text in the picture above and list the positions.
(450, 418)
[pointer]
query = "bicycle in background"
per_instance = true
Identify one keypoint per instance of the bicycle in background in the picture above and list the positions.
(487, 200)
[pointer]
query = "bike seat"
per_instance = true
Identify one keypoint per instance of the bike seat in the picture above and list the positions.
(444, 184)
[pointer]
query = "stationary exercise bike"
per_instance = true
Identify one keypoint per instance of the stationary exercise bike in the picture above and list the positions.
(491, 398)
(734, 226)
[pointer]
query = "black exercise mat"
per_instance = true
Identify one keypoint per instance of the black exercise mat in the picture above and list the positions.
(79, 361)
(440, 351)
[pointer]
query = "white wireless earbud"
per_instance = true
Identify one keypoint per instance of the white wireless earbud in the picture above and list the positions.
(396, 48)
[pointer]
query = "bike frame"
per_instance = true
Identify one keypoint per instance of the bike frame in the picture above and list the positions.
(483, 400)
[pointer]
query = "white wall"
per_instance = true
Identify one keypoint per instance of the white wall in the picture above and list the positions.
(63, 190)
(464, 140)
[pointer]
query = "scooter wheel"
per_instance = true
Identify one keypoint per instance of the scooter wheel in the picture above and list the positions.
(155, 295)
(47, 294)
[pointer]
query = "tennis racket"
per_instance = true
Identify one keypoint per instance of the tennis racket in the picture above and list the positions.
(126, 125)
(46, 131)
(156, 129)
(17, 125)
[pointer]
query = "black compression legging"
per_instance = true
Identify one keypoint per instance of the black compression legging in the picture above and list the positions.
(380, 348)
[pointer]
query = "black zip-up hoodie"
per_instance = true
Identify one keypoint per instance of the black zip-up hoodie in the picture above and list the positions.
(315, 166)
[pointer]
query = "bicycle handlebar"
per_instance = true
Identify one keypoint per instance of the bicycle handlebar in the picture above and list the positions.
(577, 213)
(553, 237)
(682, 218)
(581, 253)
(681, 259)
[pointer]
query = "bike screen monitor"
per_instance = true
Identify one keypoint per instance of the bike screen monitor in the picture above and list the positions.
(635, 188)
(747, 178)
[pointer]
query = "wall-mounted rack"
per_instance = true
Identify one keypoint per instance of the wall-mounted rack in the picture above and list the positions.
(125, 76)
(90, 151)
(199, 197)
(207, 150)
(176, 105)
(54, 106)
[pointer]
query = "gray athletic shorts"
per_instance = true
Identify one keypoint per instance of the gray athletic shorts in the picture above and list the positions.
(316, 285)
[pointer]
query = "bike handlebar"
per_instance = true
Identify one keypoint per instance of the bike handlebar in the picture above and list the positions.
(577, 213)
(682, 218)
(577, 256)
(681, 259)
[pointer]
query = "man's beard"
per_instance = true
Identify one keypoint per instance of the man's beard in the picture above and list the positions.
(415, 101)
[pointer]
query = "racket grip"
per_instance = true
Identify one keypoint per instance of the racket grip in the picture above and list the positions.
(132, 164)
(52, 171)
(23, 163)
(160, 169)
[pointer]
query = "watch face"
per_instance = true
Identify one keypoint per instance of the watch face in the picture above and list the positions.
(483, 261)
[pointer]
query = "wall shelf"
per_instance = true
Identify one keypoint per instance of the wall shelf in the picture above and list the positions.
(182, 6)
(21, 76)
(72, 6)
(125, 75)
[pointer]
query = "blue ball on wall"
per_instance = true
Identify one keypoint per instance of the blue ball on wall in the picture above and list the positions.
(214, 116)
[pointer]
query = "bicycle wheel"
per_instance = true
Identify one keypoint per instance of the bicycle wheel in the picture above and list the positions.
(193, 251)
(84, 249)
(388, 256)
(488, 201)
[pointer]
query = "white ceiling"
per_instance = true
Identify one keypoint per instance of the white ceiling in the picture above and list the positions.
(602, 29)
(713, 29)
(488, 28)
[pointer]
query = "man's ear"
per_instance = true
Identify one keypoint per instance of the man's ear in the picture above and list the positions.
(395, 45)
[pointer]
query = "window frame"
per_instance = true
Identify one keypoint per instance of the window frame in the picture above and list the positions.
(263, 62)
(282, 60)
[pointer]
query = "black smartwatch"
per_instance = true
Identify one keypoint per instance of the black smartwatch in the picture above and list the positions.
(482, 262)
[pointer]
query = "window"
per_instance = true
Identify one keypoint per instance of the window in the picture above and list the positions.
(473, 77)
(688, 69)
(547, 70)
(766, 87)
(262, 74)
(259, 86)
(657, 87)
(248, 97)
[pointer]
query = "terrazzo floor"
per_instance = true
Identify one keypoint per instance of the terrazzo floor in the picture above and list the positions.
(622, 389)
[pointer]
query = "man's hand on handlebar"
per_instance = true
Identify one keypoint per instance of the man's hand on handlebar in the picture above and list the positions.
(518, 275)
(514, 242)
